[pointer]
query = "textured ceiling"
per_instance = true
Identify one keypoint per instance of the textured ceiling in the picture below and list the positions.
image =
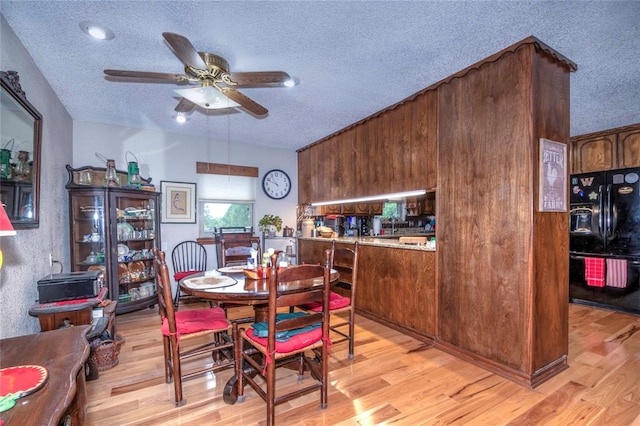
(352, 58)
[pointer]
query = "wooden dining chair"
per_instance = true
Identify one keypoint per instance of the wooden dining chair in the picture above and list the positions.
(188, 257)
(189, 333)
(236, 252)
(288, 337)
(345, 261)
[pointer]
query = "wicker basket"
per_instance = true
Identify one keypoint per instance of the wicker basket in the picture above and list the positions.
(105, 354)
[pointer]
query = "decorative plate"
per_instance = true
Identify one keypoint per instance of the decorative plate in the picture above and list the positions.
(236, 269)
(125, 230)
(122, 269)
(137, 266)
(22, 380)
(122, 250)
(203, 283)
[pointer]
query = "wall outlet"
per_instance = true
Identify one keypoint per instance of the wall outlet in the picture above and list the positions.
(50, 259)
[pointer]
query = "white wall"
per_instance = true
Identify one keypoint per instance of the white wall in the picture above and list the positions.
(26, 256)
(173, 157)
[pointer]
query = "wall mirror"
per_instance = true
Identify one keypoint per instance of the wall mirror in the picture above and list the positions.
(20, 138)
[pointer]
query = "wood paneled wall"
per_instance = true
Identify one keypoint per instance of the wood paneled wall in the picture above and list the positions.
(502, 293)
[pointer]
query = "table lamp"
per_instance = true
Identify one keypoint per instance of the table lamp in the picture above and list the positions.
(6, 228)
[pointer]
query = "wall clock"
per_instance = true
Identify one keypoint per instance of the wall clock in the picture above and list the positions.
(276, 184)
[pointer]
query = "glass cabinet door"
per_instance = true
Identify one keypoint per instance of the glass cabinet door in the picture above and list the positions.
(136, 236)
(88, 232)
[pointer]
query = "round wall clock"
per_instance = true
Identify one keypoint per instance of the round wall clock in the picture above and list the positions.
(276, 184)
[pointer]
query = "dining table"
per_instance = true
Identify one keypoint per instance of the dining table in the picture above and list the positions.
(230, 285)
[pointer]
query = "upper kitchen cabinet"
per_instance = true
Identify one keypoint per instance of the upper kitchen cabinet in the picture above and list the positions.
(304, 177)
(394, 150)
(629, 146)
(606, 150)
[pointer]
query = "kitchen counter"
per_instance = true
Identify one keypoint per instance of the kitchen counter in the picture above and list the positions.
(396, 282)
(380, 241)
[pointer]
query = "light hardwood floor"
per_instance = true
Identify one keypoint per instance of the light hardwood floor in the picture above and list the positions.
(394, 379)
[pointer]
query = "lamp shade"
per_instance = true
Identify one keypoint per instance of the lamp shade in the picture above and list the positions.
(207, 97)
(6, 228)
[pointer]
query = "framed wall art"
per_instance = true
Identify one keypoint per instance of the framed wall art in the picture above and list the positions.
(552, 186)
(178, 202)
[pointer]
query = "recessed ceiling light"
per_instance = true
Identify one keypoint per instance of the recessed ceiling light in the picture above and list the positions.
(97, 31)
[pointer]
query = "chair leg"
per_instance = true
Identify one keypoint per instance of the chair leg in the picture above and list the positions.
(352, 335)
(325, 377)
(167, 358)
(176, 299)
(237, 361)
(271, 393)
(177, 373)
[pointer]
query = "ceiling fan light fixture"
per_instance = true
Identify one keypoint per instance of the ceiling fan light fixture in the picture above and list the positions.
(96, 31)
(207, 97)
(181, 117)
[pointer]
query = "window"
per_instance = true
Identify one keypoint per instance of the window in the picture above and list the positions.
(392, 209)
(225, 202)
(219, 213)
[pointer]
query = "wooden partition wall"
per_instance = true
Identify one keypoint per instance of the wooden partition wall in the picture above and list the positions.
(500, 297)
(503, 265)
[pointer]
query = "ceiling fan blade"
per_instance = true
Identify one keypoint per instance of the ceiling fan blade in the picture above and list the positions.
(185, 50)
(163, 76)
(185, 105)
(245, 102)
(260, 78)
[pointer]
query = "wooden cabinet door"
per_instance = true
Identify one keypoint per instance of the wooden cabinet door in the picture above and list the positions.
(375, 208)
(304, 177)
(595, 154)
(362, 209)
(629, 149)
(349, 209)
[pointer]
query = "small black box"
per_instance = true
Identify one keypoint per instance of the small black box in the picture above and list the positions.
(72, 285)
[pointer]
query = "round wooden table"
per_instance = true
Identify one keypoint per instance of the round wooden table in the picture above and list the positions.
(244, 291)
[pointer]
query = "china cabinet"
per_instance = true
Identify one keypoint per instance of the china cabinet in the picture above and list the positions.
(114, 230)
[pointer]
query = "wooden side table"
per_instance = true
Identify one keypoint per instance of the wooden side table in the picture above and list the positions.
(60, 316)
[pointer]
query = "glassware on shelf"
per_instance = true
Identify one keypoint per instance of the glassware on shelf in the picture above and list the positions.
(111, 176)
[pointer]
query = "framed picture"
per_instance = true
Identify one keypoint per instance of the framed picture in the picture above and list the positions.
(178, 202)
(552, 186)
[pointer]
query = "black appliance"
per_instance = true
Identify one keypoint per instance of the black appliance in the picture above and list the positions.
(69, 286)
(605, 223)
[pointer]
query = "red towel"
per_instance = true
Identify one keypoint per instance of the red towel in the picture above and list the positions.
(617, 273)
(594, 271)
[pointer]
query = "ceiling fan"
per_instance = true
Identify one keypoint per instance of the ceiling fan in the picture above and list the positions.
(211, 73)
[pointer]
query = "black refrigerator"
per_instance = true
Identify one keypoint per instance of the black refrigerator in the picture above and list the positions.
(605, 224)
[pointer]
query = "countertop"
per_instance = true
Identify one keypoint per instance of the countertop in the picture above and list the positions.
(381, 241)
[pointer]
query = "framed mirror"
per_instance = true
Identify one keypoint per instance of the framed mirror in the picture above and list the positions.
(20, 139)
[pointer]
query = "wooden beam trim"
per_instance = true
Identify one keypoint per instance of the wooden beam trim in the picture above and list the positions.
(225, 169)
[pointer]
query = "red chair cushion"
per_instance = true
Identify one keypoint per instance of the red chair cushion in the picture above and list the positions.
(196, 320)
(335, 302)
(297, 341)
(180, 275)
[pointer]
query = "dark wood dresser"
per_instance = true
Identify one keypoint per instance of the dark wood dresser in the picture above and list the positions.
(62, 399)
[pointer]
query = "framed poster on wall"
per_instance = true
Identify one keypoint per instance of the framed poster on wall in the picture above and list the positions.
(178, 202)
(552, 182)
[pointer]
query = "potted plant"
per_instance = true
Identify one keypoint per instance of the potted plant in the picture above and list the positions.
(270, 223)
